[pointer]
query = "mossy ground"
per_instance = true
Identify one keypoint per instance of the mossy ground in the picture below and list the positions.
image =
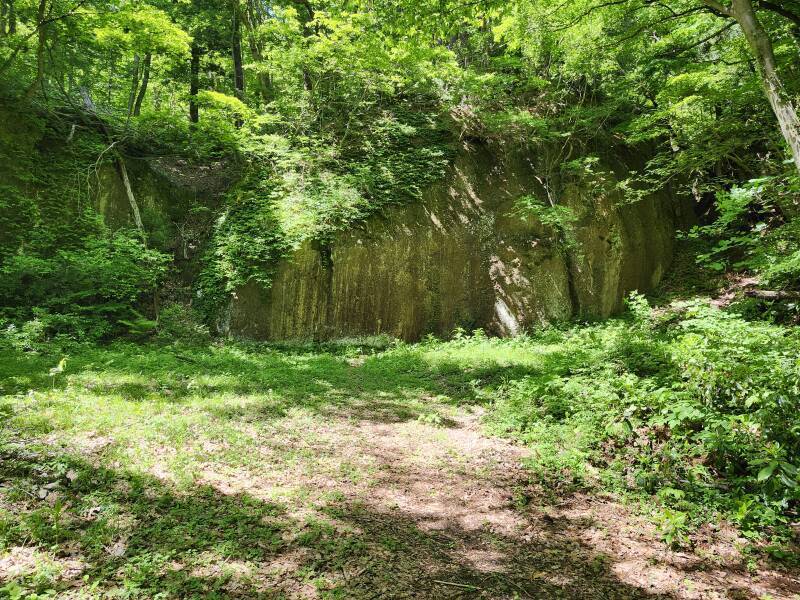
(353, 470)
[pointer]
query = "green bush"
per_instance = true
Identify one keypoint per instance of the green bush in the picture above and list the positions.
(180, 323)
(83, 292)
(699, 401)
(757, 230)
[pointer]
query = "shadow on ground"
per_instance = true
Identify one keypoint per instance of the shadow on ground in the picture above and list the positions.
(134, 534)
(434, 513)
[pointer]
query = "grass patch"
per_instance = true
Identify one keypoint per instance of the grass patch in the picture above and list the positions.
(188, 469)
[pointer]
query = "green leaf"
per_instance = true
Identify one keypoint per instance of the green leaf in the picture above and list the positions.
(767, 471)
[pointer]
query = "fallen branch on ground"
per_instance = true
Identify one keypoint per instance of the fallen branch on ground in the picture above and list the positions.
(772, 295)
(461, 585)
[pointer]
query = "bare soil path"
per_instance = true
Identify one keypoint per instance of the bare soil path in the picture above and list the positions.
(447, 512)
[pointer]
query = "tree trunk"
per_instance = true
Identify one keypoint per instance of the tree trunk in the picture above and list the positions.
(236, 50)
(309, 16)
(88, 104)
(306, 20)
(194, 85)
(11, 17)
(134, 84)
(110, 82)
(250, 20)
(761, 46)
(40, 47)
(137, 217)
(137, 107)
(3, 17)
(772, 294)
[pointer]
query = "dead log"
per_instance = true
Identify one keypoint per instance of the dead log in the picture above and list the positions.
(772, 294)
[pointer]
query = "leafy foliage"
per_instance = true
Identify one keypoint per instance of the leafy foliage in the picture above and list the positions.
(694, 405)
(82, 291)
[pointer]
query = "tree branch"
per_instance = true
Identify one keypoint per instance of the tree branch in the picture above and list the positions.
(708, 38)
(779, 10)
(718, 8)
(673, 17)
(10, 60)
(772, 294)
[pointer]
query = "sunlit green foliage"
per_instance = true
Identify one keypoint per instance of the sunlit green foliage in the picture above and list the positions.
(692, 409)
(333, 110)
(691, 406)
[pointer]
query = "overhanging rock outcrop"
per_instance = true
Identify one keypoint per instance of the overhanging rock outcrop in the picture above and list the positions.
(463, 256)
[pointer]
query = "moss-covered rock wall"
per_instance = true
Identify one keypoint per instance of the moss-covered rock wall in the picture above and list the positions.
(464, 257)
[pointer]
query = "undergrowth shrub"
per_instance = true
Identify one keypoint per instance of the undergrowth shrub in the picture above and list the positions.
(64, 274)
(82, 292)
(757, 231)
(700, 409)
(181, 323)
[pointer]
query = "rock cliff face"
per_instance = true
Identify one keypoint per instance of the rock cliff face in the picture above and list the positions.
(168, 194)
(463, 257)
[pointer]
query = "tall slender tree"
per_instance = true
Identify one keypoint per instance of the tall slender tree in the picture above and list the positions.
(743, 12)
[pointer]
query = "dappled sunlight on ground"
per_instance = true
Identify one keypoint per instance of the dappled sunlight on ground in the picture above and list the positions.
(311, 477)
